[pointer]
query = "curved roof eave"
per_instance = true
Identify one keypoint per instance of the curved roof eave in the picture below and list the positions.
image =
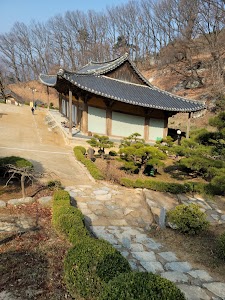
(49, 80)
(188, 105)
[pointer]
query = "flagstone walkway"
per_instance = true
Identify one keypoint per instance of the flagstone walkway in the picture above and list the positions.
(121, 216)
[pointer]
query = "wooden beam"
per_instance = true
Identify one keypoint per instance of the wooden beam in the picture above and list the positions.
(70, 111)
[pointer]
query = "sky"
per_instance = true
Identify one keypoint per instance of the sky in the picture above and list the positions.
(41, 10)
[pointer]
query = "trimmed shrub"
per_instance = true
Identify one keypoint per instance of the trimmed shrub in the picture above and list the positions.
(90, 265)
(67, 219)
(61, 198)
(92, 168)
(188, 219)
(81, 148)
(220, 247)
(144, 286)
(174, 188)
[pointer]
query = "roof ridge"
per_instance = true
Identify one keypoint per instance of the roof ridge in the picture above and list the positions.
(125, 55)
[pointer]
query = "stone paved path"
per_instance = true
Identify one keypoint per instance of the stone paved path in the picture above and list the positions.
(121, 217)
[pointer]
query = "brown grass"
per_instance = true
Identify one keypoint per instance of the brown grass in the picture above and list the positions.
(32, 262)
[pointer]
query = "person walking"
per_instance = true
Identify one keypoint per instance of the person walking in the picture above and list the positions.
(32, 109)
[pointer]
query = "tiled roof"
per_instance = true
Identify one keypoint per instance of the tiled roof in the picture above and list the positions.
(92, 78)
(100, 68)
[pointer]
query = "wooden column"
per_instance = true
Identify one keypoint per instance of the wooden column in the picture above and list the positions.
(188, 124)
(108, 121)
(60, 102)
(146, 128)
(70, 112)
(165, 131)
(48, 96)
(84, 124)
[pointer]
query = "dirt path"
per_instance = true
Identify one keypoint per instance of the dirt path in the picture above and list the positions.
(26, 135)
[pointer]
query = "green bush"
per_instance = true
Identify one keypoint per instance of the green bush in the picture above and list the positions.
(188, 218)
(218, 184)
(16, 161)
(220, 247)
(81, 148)
(174, 188)
(54, 184)
(92, 168)
(144, 286)
(70, 221)
(112, 153)
(67, 219)
(61, 197)
(90, 265)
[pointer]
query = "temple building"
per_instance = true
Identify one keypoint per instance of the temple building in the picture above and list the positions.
(113, 98)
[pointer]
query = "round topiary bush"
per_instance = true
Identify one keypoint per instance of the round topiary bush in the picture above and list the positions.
(188, 219)
(221, 246)
(144, 286)
(90, 265)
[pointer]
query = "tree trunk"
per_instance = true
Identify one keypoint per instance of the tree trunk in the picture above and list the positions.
(23, 185)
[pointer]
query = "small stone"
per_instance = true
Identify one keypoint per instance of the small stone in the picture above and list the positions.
(45, 201)
(125, 253)
(178, 266)
(175, 276)
(127, 211)
(21, 201)
(126, 242)
(104, 197)
(217, 288)
(118, 222)
(133, 264)
(2, 203)
(215, 217)
(153, 266)
(136, 247)
(153, 245)
(168, 256)
(223, 217)
(101, 192)
(144, 256)
(193, 292)
(200, 274)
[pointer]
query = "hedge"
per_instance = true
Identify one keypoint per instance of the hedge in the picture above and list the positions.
(174, 188)
(89, 265)
(143, 286)
(94, 171)
(67, 219)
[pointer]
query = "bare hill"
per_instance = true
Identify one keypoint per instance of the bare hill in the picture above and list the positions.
(24, 90)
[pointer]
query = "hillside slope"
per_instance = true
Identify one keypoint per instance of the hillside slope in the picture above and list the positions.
(24, 90)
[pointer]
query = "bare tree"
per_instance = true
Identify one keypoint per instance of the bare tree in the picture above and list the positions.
(25, 173)
(2, 87)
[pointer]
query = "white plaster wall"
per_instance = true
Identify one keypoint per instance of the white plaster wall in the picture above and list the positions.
(96, 120)
(125, 125)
